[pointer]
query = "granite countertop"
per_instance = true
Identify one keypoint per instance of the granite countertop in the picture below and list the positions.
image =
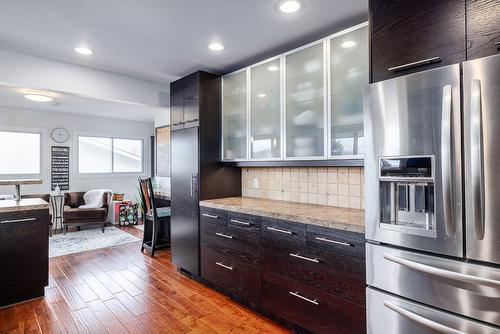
(163, 194)
(23, 205)
(328, 216)
(19, 181)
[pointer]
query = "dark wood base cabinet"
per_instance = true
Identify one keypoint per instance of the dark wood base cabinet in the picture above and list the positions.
(24, 257)
(308, 278)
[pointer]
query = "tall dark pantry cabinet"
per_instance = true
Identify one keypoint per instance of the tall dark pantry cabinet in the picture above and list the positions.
(197, 171)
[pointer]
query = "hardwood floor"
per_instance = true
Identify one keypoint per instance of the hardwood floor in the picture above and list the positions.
(120, 290)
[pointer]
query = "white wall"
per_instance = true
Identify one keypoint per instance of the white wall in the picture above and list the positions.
(11, 118)
(23, 70)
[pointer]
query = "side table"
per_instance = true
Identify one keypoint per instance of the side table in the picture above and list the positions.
(57, 205)
(125, 212)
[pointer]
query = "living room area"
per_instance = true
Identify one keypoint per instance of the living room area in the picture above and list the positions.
(80, 138)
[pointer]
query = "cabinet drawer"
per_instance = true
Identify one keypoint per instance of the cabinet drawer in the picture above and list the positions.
(281, 231)
(233, 242)
(213, 215)
(337, 272)
(243, 222)
(336, 240)
(241, 281)
(310, 308)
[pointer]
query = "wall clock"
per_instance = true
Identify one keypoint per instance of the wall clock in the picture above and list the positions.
(60, 135)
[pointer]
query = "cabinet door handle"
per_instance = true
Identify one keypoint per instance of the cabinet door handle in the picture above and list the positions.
(414, 64)
(239, 222)
(25, 220)
(210, 216)
(279, 230)
(312, 301)
(333, 241)
(220, 264)
(497, 44)
(224, 235)
(315, 260)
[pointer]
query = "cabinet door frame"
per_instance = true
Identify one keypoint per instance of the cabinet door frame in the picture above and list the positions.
(329, 39)
(247, 115)
(325, 83)
(282, 110)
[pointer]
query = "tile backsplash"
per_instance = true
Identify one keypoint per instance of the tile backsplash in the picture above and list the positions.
(333, 186)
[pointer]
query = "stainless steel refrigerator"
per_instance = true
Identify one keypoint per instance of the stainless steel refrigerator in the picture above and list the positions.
(432, 178)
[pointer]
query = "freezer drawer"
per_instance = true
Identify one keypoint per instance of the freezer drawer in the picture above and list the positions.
(459, 287)
(388, 314)
(482, 157)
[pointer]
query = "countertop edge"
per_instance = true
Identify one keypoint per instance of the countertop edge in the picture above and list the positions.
(308, 221)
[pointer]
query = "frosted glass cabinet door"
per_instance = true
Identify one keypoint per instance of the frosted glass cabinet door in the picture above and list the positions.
(234, 116)
(265, 110)
(348, 73)
(305, 103)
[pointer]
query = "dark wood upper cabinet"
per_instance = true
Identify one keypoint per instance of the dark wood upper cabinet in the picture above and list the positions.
(176, 102)
(185, 99)
(483, 28)
(423, 33)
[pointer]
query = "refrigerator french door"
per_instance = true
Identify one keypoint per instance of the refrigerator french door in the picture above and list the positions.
(413, 161)
(184, 200)
(481, 87)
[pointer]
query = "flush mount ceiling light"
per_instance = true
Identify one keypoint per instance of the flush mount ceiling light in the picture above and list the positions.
(348, 44)
(216, 46)
(262, 95)
(84, 50)
(273, 68)
(289, 6)
(37, 97)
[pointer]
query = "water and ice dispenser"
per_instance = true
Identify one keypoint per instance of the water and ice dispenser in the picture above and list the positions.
(407, 194)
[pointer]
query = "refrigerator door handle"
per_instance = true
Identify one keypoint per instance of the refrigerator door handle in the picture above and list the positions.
(476, 144)
(446, 167)
(421, 320)
(193, 185)
(443, 272)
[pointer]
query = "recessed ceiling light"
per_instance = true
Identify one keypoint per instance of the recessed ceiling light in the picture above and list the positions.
(216, 46)
(262, 95)
(290, 6)
(38, 97)
(273, 68)
(84, 50)
(348, 44)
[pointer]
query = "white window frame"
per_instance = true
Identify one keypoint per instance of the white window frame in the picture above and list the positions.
(76, 146)
(43, 153)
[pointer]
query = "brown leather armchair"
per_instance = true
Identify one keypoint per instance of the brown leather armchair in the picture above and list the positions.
(75, 216)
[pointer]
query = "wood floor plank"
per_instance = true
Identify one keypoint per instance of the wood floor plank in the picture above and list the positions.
(121, 290)
(89, 321)
(106, 317)
(126, 317)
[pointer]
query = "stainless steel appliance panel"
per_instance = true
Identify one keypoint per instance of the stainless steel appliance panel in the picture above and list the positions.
(468, 289)
(387, 314)
(417, 115)
(482, 158)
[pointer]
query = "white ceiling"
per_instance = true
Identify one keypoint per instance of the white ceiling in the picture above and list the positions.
(162, 40)
(76, 104)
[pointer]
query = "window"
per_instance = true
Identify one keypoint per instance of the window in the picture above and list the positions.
(109, 155)
(19, 153)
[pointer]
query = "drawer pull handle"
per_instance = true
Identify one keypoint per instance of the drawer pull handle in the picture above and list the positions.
(279, 230)
(239, 222)
(220, 264)
(210, 216)
(497, 44)
(414, 64)
(25, 220)
(304, 258)
(333, 241)
(312, 301)
(224, 235)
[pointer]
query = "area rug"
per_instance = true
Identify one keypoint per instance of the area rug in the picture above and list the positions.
(85, 240)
